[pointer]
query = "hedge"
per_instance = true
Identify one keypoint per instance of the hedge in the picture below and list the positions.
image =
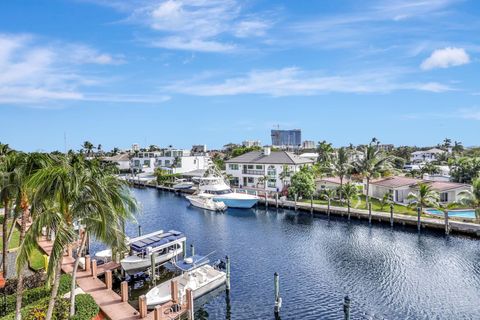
(31, 296)
(85, 307)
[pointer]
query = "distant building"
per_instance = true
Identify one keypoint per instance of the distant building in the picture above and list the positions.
(251, 143)
(426, 156)
(121, 161)
(199, 149)
(170, 160)
(287, 138)
(386, 147)
(308, 144)
(135, 147)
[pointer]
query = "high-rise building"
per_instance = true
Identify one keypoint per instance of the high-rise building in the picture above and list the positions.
(287, 138)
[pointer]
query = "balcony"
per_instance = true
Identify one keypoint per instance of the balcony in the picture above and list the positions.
(254, 172)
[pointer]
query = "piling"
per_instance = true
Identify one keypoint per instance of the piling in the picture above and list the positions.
(346, 307)
(94, 269)
(157, 313)
(154, 274)
(278, 299)
(124, 291)
(276, 200)
(447, 226)
(174, 291)
(391, 215)
(192, 249)
(311, 203)
(139, 230)
(190, 308)
(184, 249)
(108, 279)
(142, 306)
(227, 283)
(295, 202)
(369, 213)
(419, 214)
(266, 199)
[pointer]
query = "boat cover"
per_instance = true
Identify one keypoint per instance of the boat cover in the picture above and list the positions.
(156, 240)
(197, 261)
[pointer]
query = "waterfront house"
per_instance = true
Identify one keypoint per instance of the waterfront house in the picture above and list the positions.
(330, 183)
(448, 191)
(276, 167)
(426, 156)
(121, 161)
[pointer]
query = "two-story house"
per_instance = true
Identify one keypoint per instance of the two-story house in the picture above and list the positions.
(266, 168)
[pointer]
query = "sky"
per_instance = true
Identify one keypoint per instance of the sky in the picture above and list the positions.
(184, 72)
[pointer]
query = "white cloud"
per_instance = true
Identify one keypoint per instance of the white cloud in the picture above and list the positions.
(294, 82)
(444, 58)
(470, 113)
(82, 54)
(200, 45)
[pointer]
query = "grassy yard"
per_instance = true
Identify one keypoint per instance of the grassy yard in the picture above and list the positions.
(35, 259)
(15, 242)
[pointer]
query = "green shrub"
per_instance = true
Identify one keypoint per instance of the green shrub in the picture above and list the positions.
(85, 307)
(39, 311)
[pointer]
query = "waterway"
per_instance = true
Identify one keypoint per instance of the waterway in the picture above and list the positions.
(388, 273)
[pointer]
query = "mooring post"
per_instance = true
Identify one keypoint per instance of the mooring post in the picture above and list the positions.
(190, 308)
(369, 213)
(346, 307)
(266, 199)
(276, 200)
(152, 265)
(184, 248)
(419, 223)
(192, 249)
(295, 202)
(278, 299)
(108, 279)
(174, 291)
(391, 215)
(311, 203)
(227, 262)
(447, 226)
(139, 230)
(124, 291)
(94, 269)
(157, 313)
(142, 306)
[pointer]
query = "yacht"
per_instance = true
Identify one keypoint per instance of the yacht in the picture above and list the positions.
(182, 184)
(218, 190)
(163, 245)
(197, 275)
(205, 202)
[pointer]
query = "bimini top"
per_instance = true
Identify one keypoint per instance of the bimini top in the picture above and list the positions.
(156, 240)
(191, 263)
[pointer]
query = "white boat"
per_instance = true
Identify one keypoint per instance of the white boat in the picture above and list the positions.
(163, 245)
(104, 255)
(182, 184)
(218, 190)
(205, 202)
(197, 275)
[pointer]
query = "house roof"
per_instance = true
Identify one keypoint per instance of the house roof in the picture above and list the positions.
(118, 157)
(441, 186)
(275, 157)
(335, 180)
(396, 182)
(433, 150)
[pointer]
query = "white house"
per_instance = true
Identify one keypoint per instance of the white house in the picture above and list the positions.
(308, 144)
(426, 156)
(122, 161)
(144, 161)
(250, 169)
(330, 183)
(251, 143)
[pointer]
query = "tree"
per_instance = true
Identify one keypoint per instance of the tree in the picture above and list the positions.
(429, 168)
(387, 200)
(457, 147)
(472, 198)
(425, 197)
(370, 163)
(341, 166)
(303, 183)
(464, 169)
(325, 151)
(88, 147)
(447, 143)
(329, 195)
(285, 175)
(350, 192)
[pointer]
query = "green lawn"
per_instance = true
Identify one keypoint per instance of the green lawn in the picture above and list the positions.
(15, 242)
(36, 258)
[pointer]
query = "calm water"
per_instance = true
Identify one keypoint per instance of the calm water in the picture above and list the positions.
(388, 274)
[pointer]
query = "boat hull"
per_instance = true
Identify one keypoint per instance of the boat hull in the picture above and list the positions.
(132, 267)
(237, 203)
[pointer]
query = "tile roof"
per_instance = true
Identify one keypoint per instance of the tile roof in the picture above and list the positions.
(335, 180)
(275, 157)
(441, 186)
(118, 157)
(395, 182)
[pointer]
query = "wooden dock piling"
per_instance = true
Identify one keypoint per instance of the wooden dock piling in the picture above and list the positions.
(157, 313)
(227, 282)
(391, 215)
(94, 269)
(108, 279)
(142, 306)
(190, 309)
(88, 263)
(124, 291)
(346, 308)
(369, 213)
(174, 291)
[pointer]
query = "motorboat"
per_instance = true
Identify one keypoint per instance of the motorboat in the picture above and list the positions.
(182, 184)
(104, 255)
(197, 275)
(205, 202)
(163, 245)
(218, 190)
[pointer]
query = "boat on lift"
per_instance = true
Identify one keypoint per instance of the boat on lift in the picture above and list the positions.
(163, 245)
(197, 275)
(205, 202)
(182, 184)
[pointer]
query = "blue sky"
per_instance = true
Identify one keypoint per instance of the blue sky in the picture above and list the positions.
(186, 72)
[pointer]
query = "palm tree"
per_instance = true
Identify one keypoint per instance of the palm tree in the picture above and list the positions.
(425, 197)
(329, 194)
(350, 192)
(324, 150)
(284, 175)
(371, 163)
(430, 168)
(341, 166)
(88, 147)
(472, 198)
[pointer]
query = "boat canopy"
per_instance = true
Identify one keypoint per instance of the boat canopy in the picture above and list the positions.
(191, 263)
(156, 240)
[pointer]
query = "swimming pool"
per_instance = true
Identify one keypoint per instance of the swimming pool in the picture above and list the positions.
(470, 213)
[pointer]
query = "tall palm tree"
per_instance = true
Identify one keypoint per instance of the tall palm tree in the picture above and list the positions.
(425, 197)
(350, 192)
(341, 166)
(472, 198)
(88, 147)
(370, 163)
(325, 151)
(329, 195)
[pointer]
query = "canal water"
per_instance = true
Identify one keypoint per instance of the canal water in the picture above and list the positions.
(388, 274)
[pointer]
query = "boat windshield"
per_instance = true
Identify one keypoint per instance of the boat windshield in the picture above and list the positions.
(226, 191)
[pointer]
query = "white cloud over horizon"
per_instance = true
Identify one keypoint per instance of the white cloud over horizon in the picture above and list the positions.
(445, 58)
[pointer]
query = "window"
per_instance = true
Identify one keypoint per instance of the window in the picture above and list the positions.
(233, 166)
(444, 197)
(146, 163)
(250, 167)
(259, 167)
(167, 162)
(272, 183)
(271, 171)
(160, 162)
(250, 180)
(137, 163)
